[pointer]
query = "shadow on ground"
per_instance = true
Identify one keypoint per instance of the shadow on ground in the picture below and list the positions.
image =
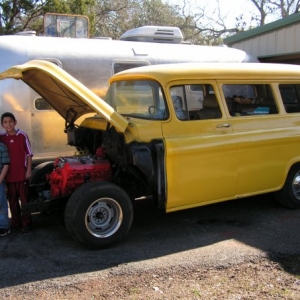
(47, 251)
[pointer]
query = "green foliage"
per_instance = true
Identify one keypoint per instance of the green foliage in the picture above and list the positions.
(111, 18)
(11, 13)
(114, 18)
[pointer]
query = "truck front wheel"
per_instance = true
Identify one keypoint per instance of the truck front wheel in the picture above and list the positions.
(98, 214)
(289, 195)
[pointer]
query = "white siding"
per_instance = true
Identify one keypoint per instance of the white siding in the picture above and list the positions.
(283, 41)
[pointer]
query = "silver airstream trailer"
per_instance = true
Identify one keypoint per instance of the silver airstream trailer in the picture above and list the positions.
(92, 62)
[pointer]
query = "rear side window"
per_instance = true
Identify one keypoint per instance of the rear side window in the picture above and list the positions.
(290, 97)
(249, 99)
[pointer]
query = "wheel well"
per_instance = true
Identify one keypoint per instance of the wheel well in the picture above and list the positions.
(289, 170)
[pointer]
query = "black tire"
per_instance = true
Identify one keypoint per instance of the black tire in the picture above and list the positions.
(39, 173)
(98, 214)
(289, 195)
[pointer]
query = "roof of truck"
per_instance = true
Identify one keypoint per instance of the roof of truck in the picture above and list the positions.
(169, 72)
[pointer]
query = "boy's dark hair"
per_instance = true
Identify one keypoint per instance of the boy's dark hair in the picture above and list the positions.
(7, 115)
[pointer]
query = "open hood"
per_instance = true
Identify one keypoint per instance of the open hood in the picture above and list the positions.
(69, 97)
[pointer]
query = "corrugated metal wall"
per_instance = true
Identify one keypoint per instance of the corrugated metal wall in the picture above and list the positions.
(280, 45)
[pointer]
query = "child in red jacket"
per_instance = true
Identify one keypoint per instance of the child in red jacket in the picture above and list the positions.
(20, 153)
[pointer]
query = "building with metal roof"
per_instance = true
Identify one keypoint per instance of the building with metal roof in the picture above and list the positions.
(278, 41)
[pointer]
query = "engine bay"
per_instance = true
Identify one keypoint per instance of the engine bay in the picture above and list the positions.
(71, 172)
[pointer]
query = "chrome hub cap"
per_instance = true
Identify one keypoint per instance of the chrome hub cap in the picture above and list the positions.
(296, 185)
(103, 217)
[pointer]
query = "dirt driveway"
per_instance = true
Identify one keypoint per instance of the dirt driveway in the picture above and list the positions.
(246, 249)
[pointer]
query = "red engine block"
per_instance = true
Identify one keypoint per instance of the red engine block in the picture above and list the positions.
(71, 172)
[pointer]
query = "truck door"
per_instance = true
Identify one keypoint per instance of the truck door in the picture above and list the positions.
(200, 149)
(262, 135)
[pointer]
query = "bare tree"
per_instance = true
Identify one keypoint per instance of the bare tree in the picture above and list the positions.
(282, 8)
(111, 18)
(263, 8)
(286, 7)
(201, 25)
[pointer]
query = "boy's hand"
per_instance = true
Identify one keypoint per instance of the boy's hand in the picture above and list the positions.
(28, 174)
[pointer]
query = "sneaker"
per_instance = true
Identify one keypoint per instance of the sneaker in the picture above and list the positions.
(4, 232)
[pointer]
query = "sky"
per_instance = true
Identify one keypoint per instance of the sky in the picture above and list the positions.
(230, 9)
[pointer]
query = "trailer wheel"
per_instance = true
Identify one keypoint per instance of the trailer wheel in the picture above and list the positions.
(289, 195)
(39, 172)
(98, 214)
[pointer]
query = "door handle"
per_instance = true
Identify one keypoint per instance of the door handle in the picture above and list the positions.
(225, 125)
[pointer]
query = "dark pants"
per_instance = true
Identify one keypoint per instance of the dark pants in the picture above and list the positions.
(17, 194)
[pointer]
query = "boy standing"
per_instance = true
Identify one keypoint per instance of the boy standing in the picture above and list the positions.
(4, 165)
(20, 153)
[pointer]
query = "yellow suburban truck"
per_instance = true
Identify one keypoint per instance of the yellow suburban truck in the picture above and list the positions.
(184, 135)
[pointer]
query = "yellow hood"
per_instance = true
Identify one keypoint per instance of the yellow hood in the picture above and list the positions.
(70, 98)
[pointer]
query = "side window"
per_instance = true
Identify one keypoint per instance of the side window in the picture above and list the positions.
(290, 97)
(179, 100)
(249, 99)
(195, 102)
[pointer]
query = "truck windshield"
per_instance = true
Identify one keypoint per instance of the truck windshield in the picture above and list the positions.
(138, 98)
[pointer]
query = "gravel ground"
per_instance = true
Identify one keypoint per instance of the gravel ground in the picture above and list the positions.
(261, 279)
(246, 249)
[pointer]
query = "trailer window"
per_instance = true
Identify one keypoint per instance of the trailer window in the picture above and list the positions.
(122, 66)
(42, 104)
